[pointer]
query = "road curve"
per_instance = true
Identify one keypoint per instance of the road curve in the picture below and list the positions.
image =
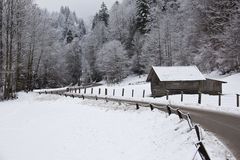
(225, 126)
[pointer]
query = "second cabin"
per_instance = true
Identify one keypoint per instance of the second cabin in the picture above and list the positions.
(177, 79)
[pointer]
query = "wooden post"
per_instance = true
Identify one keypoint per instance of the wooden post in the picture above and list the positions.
(106, 92)
(143, 93)
(123, 92)
(113, 92)
(79, 90)
(151, 107)
(133, 93)
(181, 96)
(91, 90)
(238, 100)
(219, 99)
(75, 90)
(85, 90)
(137, 106)
(199, 97)
(197, 132)
(179, 114)
(169, 110)
(99, 91)
(167, 93)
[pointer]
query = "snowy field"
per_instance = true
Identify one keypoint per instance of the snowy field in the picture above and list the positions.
(139, 85)
(50, 127)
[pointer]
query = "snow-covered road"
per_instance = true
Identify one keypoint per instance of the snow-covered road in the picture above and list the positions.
(51, 127)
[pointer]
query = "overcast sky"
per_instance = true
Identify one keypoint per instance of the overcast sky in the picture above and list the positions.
(84, 8)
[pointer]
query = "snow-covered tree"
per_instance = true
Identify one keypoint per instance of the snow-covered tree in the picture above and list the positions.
(112, 61)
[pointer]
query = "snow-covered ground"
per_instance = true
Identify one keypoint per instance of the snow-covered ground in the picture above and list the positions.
(139, 85)
(50, 127)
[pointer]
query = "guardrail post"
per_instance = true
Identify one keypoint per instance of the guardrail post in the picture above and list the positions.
(181, 96)
(99, 91)
(143, 93)
(167, 94)
(197, 132)
(199, 97)
(202, 151)
(137, 107)
(132, 92)
(91, 90)
(79, 91)
(169, 110)
(189, 120)
(75, 90)
(151, 107)
(113, 92)
(219, 99)
(106, 92)
(179, 114)
(238, 100)
(85, 90)
(123, 92)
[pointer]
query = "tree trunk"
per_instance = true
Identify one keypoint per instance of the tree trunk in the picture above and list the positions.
(1, 45)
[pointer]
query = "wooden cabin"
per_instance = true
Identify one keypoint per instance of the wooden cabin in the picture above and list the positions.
(177, 79)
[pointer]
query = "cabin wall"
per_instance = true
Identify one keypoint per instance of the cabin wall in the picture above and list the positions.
(212, 87)
(157, 87)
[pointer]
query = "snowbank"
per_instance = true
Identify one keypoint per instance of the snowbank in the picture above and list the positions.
(49, 127)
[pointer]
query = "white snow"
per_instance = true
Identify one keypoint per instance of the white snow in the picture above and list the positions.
(50, 127)
(178, 73)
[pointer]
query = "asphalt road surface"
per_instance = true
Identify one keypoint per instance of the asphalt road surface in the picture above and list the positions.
(225, 126)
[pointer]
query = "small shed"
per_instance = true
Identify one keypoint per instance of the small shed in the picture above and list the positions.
(177, 79)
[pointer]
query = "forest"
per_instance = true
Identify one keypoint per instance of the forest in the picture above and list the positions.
(39, 49)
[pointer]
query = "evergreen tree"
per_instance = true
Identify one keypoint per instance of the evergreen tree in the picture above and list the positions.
(103, 14)
(143, 15)
(95, 21)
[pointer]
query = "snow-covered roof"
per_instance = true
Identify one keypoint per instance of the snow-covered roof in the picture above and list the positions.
(178, 73)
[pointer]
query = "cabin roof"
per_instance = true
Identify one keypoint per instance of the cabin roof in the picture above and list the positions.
(176, 73)
(213, 79)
